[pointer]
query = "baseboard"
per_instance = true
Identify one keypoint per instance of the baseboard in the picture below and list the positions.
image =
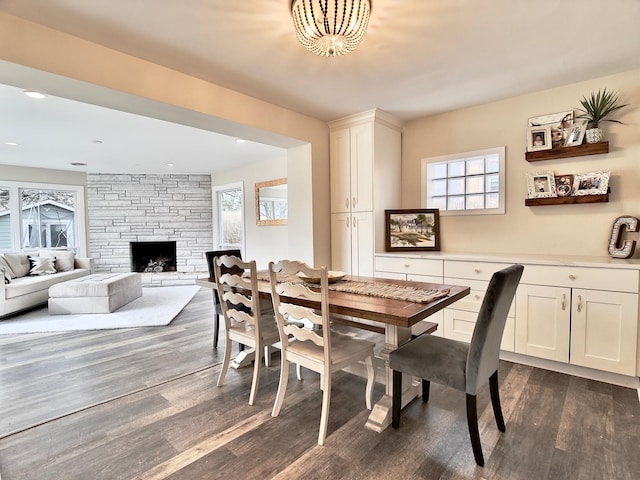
(584, 372)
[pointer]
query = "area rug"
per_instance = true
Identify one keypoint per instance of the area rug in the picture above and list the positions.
(157, 306)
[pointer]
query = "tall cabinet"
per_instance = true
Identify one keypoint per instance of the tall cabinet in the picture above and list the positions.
(365, 164)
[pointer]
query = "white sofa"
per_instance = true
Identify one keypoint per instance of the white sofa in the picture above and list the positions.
(26, 291)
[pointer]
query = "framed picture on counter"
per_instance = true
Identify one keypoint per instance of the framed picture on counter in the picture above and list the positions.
(412, 230)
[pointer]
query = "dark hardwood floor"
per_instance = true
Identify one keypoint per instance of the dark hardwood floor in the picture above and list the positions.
(142, 404)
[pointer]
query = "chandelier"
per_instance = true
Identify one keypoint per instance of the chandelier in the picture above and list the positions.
(330, 27)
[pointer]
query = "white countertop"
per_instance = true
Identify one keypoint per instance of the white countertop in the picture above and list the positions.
(554, 260)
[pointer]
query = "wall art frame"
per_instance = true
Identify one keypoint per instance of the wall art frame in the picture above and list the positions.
(541, 185)
(412, 230)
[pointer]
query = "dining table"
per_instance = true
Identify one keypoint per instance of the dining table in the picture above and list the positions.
(393, 317)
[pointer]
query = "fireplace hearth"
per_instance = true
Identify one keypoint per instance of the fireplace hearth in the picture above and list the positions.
(153, 257)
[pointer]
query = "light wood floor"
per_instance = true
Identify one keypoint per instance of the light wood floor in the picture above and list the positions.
(142, 404)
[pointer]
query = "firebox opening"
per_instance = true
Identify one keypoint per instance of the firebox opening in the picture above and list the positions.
(153, 257)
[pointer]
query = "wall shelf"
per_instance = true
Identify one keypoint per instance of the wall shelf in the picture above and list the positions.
(567, 152)
(535, 202)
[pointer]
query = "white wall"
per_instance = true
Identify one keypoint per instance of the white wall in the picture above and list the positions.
(263, 242)
(559, 229)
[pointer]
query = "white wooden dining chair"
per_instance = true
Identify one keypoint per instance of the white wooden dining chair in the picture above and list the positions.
(244, 322)
(306, 337)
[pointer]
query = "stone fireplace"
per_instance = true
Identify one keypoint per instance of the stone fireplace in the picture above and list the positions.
(153, 257)
(150, 209)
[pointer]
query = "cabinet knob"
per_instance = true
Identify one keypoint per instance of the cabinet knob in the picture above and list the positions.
(354, 203)
(407, 265)
(572, 276)
(477, 297)
(564, 301)
(346, 203)
(477, 270)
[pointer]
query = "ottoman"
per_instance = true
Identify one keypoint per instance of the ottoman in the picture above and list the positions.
(97, 293)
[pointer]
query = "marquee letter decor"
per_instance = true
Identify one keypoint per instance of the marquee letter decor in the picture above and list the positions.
(618, 248)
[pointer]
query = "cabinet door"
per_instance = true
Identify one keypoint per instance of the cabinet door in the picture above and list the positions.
(542, 322)
(604, 330)
(341, 242)
(362, 244)
(340, 170)
(361, 141)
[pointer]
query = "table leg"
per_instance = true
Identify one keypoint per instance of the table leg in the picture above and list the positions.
(380, 416)
(243, 359)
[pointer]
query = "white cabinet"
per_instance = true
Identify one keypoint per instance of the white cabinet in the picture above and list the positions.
(543, 321)
(365, 158)
(604, 330)
(460, 318)
(579, 315)
(595, 327)
(352, 168)
(413, 269)
(352, 243)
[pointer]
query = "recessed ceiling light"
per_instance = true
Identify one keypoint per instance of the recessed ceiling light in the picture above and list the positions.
(96, 141)
(11, 144)
(78, 164)
(32, 94)
(240, 140)
(169, 164)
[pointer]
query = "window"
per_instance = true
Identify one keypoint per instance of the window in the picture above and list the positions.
(49, 217)
(230, 216)
(469, 183)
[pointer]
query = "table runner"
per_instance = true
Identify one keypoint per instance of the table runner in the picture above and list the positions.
(377, 288)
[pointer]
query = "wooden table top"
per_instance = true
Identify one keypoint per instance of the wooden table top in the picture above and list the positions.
(384, 310)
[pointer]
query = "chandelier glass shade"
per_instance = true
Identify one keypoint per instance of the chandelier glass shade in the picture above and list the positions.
(330, 27)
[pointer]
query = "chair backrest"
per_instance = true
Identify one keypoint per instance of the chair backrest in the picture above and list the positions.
(211, 255)
(484, 349)
(309, 322)
(240, 295)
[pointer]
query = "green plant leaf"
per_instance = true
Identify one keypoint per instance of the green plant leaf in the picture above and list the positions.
(600, 105)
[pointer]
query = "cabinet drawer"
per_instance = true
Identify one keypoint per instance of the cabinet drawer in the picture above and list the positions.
(391, 275)
(459, 325)
(473, 301)
(618, 280)
(424, 279)
(419, 266)
(472, 270)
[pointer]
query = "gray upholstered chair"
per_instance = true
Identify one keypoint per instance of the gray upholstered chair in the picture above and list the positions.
(463, 366)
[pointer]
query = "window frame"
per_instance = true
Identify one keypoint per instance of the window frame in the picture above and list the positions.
(463, 156)
(217, 216)
(16, 218)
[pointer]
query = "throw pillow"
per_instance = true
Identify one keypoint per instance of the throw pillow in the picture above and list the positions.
(4, 266)
(64, 259)
(42, 265)
(19, 263)
(5, 274)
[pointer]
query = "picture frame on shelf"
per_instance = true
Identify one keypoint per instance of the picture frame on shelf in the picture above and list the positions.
(575, 134)
(561, 119)
(538, 138)
(592, 183)
(564, 185)
(412, 230)
(541, 185)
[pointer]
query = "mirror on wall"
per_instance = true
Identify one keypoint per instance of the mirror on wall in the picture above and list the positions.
(271, 202)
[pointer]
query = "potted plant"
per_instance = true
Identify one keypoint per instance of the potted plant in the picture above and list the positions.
(596, 108)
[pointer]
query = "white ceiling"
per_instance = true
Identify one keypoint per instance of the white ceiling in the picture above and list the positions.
(419, 57)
